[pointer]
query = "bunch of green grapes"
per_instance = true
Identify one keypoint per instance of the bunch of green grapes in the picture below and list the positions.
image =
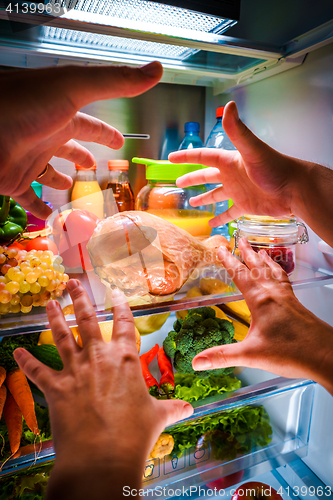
(29, 279)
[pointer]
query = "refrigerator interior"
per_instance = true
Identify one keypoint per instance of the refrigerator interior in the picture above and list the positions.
(293, 112)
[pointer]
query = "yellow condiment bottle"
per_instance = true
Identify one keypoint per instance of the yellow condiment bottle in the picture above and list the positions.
(86, 193)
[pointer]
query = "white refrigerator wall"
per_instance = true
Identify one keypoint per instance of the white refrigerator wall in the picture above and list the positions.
(293, 113)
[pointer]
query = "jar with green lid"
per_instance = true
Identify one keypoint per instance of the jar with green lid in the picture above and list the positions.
(278, 237)
(161, 196)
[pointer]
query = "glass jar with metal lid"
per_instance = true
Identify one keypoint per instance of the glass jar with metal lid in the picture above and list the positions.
(163, 198)
(278, 237)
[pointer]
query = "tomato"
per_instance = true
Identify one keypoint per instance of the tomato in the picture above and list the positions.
(42, 243)
(73, 229)
(59, 224)
(78, 226)
(17, 245)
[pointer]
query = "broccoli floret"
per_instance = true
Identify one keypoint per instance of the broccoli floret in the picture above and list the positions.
(169, 344)
(199, 330)
(177, 325)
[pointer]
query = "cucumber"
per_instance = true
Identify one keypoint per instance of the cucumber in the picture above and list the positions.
(47, 354)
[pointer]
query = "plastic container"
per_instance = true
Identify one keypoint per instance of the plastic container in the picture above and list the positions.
(163, 198)
(219, 139)
(86, 193)
(278, 237)
(37, 187)
(192, 139)
(118, 196)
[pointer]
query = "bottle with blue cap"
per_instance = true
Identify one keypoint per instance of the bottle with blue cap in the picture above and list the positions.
(192, 138)
(219, 139)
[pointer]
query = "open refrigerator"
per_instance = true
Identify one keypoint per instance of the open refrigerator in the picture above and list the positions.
(276, 62)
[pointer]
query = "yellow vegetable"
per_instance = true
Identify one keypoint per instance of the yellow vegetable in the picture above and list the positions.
(241, 330)
(219, 313)
(68, 309)
(195, 291)
(163, 446)
(192, 292)
(212, 286)
(106, 327)
(240, 308)
(150, 324)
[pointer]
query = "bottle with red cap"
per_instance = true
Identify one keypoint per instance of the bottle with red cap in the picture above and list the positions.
(119, 195)
(219, 139)
(86, 192)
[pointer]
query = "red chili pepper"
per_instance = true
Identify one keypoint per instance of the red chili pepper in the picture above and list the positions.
(167, 382)
(145, 360)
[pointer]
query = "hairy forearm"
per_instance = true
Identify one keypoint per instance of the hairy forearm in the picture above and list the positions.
(313, 198)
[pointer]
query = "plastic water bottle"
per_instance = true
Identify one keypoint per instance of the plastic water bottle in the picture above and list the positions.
(170, 143)
(219, 139)
(192, 139)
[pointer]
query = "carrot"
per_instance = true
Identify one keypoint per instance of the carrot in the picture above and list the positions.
(13, 419)
(18, 386)
(3, 394)
(2, 375)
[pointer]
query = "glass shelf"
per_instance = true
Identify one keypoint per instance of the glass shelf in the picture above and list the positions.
(304, 276)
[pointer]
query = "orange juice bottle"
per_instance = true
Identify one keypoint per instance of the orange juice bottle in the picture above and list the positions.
(86, 193)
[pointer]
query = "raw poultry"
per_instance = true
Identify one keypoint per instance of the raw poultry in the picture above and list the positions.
(145, 255)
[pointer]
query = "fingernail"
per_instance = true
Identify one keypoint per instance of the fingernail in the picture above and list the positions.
(117, 297)
(72, 284)
(51, 305)
(222, 249)
(202, 363)
(116, 293)
(153, 69)
(18, 353)
(188, 410)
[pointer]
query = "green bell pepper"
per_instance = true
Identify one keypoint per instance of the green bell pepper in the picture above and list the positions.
(13, 219)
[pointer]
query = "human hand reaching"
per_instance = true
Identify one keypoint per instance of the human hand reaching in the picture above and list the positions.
(39, 119)
(284, 337)
(257, 178)
(104, 422)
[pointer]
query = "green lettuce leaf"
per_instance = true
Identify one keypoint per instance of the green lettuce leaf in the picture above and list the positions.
(249, 425)
(189, 387)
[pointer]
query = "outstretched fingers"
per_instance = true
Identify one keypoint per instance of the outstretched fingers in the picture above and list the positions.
(203, 176)
(76, 153)
(85, 314)
(173, 410)
(36, 371)
(240, 354)
(87, 84)
(231, 214)
(213, 196)
(239, 273)
(84, 127)
(30, 201)
(123, 323)
(62, 334)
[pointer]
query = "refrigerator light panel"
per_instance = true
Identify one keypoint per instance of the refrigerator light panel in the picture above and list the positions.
(139, 15)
